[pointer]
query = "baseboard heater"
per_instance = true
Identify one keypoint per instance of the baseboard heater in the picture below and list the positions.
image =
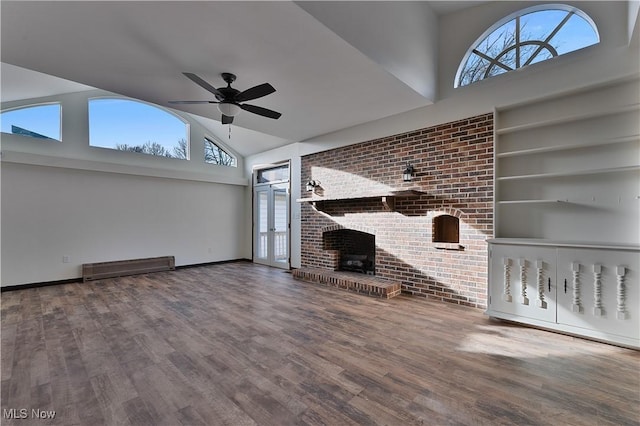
(121, 268)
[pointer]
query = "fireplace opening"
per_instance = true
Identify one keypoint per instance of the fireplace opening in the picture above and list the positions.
(356, 250)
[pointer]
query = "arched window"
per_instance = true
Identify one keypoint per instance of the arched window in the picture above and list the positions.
(529, 36)
(35, 121)
(134, 126)
(215, 154)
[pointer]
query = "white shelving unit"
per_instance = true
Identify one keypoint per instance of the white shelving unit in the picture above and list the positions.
(567, 169)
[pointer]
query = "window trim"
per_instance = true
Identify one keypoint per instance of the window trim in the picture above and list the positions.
(160, 107)
(522, 12)
(262, 167)
(36, 105)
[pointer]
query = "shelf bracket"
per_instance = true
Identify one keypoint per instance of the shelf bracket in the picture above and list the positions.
(389, 203)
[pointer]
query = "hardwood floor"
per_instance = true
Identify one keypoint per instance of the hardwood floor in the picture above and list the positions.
(243, 344)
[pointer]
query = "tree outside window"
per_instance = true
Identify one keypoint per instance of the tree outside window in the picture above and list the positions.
(214, 154)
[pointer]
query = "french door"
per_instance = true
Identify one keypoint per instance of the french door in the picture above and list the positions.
(271, 224)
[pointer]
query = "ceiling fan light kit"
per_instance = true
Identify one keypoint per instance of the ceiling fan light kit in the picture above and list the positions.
(229, 109)
(230, 100)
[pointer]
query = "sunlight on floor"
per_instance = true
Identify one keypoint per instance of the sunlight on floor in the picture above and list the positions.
(503, 341)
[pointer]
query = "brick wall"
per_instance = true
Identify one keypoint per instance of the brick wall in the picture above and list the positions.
(454, 173)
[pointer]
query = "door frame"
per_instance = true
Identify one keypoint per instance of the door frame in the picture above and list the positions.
(283, 183)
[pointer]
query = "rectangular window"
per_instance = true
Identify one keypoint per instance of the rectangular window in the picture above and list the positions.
(273, 174)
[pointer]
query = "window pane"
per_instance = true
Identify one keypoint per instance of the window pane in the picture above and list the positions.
(542, 55)
(126, 125)
(474, 70)
(499, 40)
(263, 228)
(575, 34)
(40, 121)
(273, 175)
(538, 25)
(214, 154)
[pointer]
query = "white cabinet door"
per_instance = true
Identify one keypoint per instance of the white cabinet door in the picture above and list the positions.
(522, 281)
(601, 292)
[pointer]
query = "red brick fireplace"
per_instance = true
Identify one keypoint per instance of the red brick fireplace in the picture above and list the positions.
(361, 192)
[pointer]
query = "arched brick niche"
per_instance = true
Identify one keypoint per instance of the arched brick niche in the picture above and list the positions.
(445, 229)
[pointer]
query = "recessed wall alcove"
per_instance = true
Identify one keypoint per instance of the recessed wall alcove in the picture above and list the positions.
(445, 232)
(446, 229)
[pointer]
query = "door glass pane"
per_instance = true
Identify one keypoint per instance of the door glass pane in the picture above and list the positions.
(281, 239)
(262, 224)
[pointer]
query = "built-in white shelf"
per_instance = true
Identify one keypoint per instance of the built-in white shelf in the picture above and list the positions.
(556, 148)
(567, 119)
(547, 242)
(572, 173)
(531, 201)
(568, 166)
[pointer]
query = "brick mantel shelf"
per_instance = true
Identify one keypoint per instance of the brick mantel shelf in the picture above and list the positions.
(387, 198)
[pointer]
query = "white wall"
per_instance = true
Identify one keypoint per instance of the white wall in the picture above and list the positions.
(399, 36)
(92, 205)
(51, 212)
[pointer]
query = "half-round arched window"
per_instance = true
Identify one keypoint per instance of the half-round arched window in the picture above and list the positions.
(531, 35)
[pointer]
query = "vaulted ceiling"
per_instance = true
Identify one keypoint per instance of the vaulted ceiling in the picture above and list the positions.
(333, 64)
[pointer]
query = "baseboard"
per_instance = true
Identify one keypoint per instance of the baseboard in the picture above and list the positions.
(40, 284)
(219, 262)
(79, 279)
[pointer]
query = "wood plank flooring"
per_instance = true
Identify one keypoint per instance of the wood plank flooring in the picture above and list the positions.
(243, 344)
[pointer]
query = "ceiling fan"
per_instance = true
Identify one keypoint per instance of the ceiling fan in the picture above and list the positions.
(230, 100)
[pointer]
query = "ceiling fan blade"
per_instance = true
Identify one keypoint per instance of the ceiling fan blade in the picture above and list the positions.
(255, 92)
(226, 119)
(193, 102)
(261, 111)
(200, 82)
